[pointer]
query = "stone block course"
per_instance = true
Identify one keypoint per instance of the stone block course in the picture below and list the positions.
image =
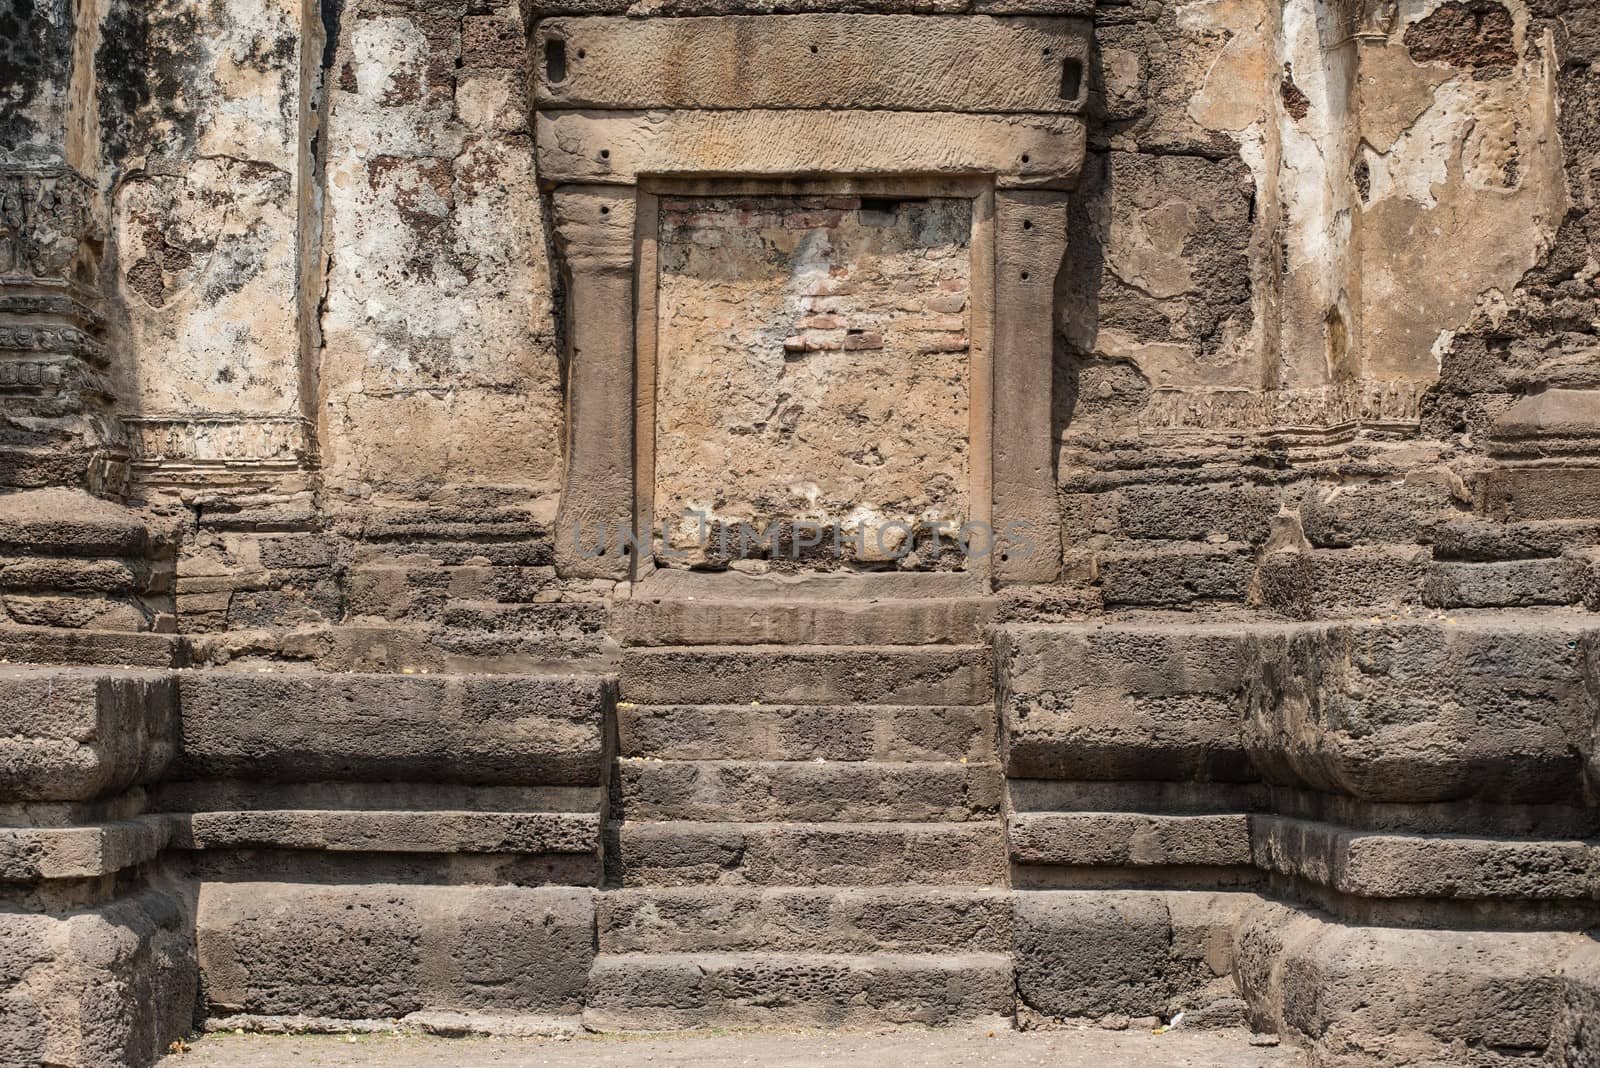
(852, 791)
(804, 919)
(109, 985)
(889, 675)
(75, 734)
(378, 952)
(1091, 954)
(305, 726)
(666, 991)
(806, 732)
(1395, 995)
(787, 854)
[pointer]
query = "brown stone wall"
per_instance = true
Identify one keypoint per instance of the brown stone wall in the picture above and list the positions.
(813, 364)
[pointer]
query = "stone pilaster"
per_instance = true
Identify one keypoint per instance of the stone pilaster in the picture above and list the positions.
(57, 428)
(595, 235)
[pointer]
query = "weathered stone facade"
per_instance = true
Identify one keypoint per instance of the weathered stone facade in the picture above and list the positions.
(358, 360)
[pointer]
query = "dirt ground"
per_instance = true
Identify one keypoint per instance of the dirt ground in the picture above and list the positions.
(895, 1049)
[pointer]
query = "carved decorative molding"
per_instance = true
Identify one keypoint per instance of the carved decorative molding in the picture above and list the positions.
(1376, 405)
(51, 356)
(30, 338)
(1362, 19)
(47, 227)
(218, 440)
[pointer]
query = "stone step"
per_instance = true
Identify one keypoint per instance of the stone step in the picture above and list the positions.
(807, 732)
(910, 621)
(1355, 863)
(27, 573)
(859, 791)
(69, 522)
(807, 854)
(647, 992)
(563, 621)
(725, 919)
(809, 675)
(110, 648)
(376, 951)
(391, 831)
(1512, 583)
(310, 726)
(1129, 839)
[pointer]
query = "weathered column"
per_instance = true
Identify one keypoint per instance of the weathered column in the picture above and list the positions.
(57, 428)
(70, 560)
(55, 423)
(594, 231)
(1030, 241)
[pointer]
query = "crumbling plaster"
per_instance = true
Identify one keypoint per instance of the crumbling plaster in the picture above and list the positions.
(1371, 197)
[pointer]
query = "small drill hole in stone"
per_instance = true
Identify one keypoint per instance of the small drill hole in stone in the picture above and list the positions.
(605, 153)
(1071, 78)
(1027, 224)
(1024, 157)
(605, 211)
(555, 60)
(1025, 276)
(813, 49)
(581, 53)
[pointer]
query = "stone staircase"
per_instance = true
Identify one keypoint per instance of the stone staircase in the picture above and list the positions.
(805, 822)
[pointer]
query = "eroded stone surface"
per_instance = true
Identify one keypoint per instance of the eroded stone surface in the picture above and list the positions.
(813, 361)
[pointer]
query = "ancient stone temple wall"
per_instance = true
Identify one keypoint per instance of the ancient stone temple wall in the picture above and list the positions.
(358, 661)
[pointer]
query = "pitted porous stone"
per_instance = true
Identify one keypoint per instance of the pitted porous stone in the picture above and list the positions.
(1128, 839)
(797, 791)
(378, 831)
(305, 726)
(1364, 995)
(663, 990)
(895, 919)
(801, 854)
(1496, 709)
(113, 985)
(369, 952)
(822, 675)
(76, 734)
(1121, 702)
(806, 732)
(1090, 954)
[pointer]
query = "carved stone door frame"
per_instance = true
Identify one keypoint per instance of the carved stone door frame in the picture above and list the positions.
(606, 164)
